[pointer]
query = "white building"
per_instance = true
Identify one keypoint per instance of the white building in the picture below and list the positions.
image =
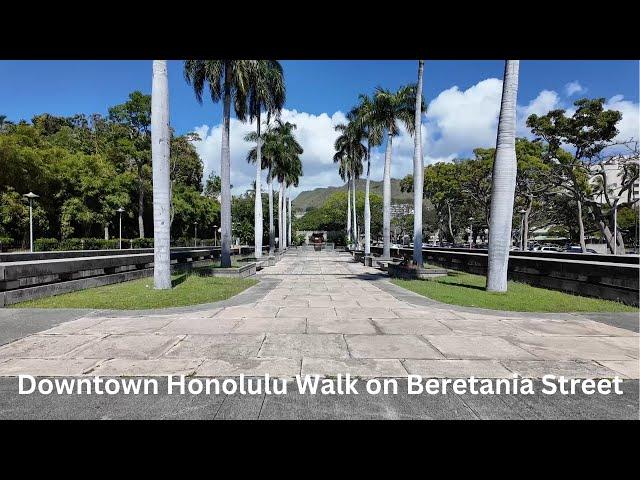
(613, 169)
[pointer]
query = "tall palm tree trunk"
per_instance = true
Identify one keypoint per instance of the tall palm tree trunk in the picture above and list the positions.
(280, 219)
(225, 176)
(271, 226)
(160, 165)
(367, 207)
(348, 211)
(257, 228)
(355, 215)
(418, 172)
(284, 217)
(289, 224)
(503, 183)
(386, 200)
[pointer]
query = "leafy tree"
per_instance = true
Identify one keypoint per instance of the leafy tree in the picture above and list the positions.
(589, 131)
(135, 117)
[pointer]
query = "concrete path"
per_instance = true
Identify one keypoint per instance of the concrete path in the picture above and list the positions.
(321, 313)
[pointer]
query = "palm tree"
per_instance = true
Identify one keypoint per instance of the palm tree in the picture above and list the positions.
(389, 108)
(266, 92)
(363, 115)
(349, 154)
(160, 139)
(285, 151)
(418, 172)
(294, 172)
(226, 79)
(503, 183)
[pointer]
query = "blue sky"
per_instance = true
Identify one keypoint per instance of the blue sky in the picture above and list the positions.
(464, 95)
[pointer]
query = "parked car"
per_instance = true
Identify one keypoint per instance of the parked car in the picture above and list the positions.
(578, 249)
(549, 248)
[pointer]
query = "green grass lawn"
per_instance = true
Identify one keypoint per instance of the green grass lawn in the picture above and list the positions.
(468, 290)
(139, 294)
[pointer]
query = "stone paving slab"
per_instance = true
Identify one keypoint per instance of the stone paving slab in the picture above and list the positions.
(250, 367)
(46, 346)
(457, 368)
(569, 369)
(217, 346)
(340, 325)
(306, 345)
(271, 325)
(628, 368)
(467, 347)
(390, 346)
(573, 348)
(119, 367)
(200, 326)
(373, 367)
(410, 326)
(126, 346)
(47, 367)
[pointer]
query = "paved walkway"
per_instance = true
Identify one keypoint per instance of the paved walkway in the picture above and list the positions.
(319, 312)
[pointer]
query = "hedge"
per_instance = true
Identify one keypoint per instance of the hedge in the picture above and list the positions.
(46, 244)
(5, 242)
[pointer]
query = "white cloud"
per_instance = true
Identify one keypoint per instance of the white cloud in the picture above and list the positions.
(572, 88)
(315, 133)
(457, 121)
(629, 126)
(545, 101)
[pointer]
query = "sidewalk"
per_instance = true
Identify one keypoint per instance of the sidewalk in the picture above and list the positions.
(316, 313)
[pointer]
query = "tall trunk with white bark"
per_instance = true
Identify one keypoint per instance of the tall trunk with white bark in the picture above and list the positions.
(367, 207)
(258, 202)
(355, 214)
(160, 164)
(284, 217)
(272, 235)
(503, 183)
(289, 224)
(418, 172)
(348, 211)
(386, 199)
(225, 176)
(280, 219)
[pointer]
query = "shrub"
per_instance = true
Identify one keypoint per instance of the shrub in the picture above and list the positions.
(337, 238)
(71, 244)
(298, 239)
(45, 244)
(99, 244)
(142, 243)
(5, 242)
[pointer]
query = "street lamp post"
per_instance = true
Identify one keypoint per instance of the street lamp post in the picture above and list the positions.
(470, 232)
(120, 210)
(522, 212)
(615, 199)
(195, 234)
(215, 235)
(31, 196)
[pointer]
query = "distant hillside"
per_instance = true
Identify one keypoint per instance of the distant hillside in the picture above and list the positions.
(315, 198)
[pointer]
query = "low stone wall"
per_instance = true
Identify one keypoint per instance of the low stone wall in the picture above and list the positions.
(22, 280)
(576, 275)
(399, 271)
(234, 272)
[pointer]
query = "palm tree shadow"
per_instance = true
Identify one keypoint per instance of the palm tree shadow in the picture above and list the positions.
(464, 285)
(178, 280)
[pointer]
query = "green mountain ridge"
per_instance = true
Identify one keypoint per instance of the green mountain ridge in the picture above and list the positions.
(316, 198)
